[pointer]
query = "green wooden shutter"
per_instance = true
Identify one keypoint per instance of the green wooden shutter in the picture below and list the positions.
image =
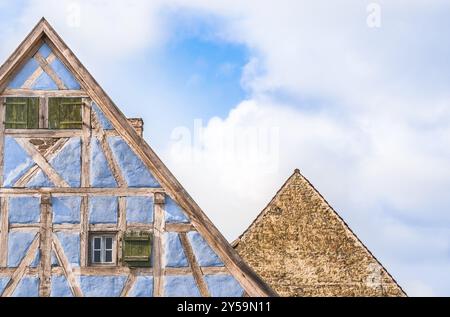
(137, 247)
(22, 113)
(64, 113)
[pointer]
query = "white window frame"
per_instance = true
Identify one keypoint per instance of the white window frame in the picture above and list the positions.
(103, 237)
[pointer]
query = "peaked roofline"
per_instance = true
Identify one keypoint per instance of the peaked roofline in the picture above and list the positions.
(250, 281)
(297, 172)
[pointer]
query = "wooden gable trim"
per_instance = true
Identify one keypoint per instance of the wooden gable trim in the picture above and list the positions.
(249, 280)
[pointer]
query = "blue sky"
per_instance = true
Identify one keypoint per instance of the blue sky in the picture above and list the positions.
(364, 112)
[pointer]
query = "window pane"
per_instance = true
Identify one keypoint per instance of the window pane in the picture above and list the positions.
(108, 243)
(97, 256)
(108, 256)
(97, 243)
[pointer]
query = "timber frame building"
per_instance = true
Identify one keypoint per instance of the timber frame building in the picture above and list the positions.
(87, 207)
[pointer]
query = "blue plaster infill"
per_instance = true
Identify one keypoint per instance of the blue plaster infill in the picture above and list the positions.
(18, 244)
(44, 82)
(70, 243)
(135, 172)
(102, 286)
(68, 162)
(203, 253)
(180, 286)
(139, 209)
(40, 180)
(143, 287)
(45, 50)
(101, 175)
(103, 209)
(60, 287)
(27, 70)
(16, 162)
(24, 209)
(54, 259)
(174, 213)
(223, 285)
(37, 259)
(175, 256)
(65, 75)
(103, 120)
(27, 287)
(3, 282)
(66, 209)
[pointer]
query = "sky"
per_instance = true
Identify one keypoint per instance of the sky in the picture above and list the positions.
(237, 94)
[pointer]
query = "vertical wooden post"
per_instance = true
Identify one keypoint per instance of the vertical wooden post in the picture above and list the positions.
(158, 247)
(43, 113)
(122, 227)
(45, 245)
(4, 228)
(85, 180)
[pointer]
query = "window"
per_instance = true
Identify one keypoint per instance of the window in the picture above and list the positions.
(137, 247)
(64, 113)
(22, 113)
(103, 249)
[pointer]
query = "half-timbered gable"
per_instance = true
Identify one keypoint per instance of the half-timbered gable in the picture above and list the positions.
(87, 208)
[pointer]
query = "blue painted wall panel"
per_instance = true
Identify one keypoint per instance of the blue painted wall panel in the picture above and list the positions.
(203, 253)
(60, 287)
(102, 286)
(174, 213)
(27, 70)
(27, 287)
(139, 209)
(37, 259)
(65, 75)
(18, 244)
(71, 246)
(66, 209)
(180, 286)
(143, 287)
(175, 256)
(68, 162)
(135, 172)
(223, 285)
(40, 180)
(44, 82)
(3, 282)
(45, 50)
(16, 162)
(103, 120)
(101, 175)
(24, 209)
(103, 209)
(54, 259)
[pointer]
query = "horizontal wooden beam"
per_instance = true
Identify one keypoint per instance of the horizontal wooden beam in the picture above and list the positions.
(82, 191)
(44, 93)
(179, 227)
(43, 133)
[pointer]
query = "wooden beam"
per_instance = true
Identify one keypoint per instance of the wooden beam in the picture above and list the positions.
(44, 93)
(115, 169)
(79, 191)
(103, 227)
(128, 285)
(2, 136)
(158, 246)
(42, 162)
(4, 230)
(42, 133)
(179, 227)
(19, 272)
(122, 227)
(49, 70)
(70, 276)
(38, 72)
(196, 271)
(84, 231)
(45, 273)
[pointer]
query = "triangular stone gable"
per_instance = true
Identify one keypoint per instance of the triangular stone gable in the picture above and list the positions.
(117, 160)
(302, 247)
